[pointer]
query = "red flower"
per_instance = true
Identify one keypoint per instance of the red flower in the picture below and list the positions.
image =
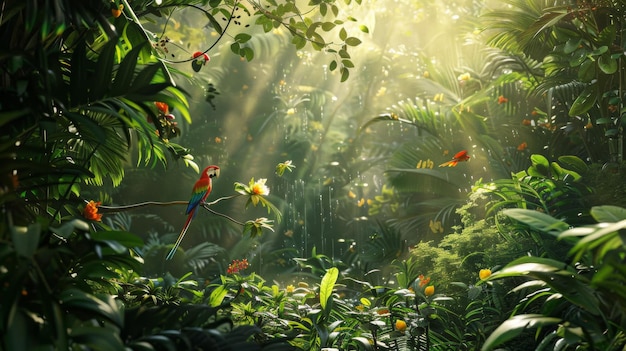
(237, 265)
(502, 99)
(204, 56)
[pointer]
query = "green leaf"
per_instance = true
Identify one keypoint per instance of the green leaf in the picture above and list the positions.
(26, 239)
(327, 26)
(572, 45)
(217, 296)
(101, 83)
(242, 37)
(104, 307)
(540, 166)
(587, 71)
(514, 326)
(126, 70)
(537, 220)
(327, 285)
(333, 65)
(574, 163)
(214, 23)
(78, 77)
(352, 41)
(345, 74)
(607, 64)
(343, 35)
(608, 214)
(298, 41)
(128, 240)
(584, 101)
(364, 28)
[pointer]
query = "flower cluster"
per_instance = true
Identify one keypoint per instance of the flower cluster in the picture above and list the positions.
(166, 127)
(237, 265)
(91, 211)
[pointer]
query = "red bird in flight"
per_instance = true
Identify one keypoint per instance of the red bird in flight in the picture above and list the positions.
(459, 157)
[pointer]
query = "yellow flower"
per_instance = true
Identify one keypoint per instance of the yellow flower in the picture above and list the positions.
(290, 288)
(400, 325)
(429, 290)
(484, 273)
(259, 188)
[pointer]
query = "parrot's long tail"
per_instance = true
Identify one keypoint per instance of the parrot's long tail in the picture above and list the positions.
(170, 255)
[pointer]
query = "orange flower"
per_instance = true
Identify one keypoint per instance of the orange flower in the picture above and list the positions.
(161, 106)
(522, 146)
(91, 211)
(502, 99)
(400, 325)
(423, 280)
(526, 122)
(429, 291)
(484, 273)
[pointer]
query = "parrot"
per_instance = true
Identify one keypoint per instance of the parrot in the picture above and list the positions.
(200, 192)
(458, 157)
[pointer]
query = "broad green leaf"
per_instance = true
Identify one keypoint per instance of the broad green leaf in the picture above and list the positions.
(607, 64)
(126, 239)
(104, 307)
(327, 285)
(540, 166)
(26, 239)
(217, 296)
(96, 338)
(574, 163)
(514, 326)
(609, 214)
(572, 45)
(587, 71)
(584, 101)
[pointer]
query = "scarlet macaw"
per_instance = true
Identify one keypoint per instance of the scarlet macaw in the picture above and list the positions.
(200, 192)
(459, 157)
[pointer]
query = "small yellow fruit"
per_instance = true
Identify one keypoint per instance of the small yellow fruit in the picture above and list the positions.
(400, 325)
(484, 273)
(429, 290)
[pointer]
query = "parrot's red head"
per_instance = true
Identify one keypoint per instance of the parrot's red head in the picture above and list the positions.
(211, 171)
